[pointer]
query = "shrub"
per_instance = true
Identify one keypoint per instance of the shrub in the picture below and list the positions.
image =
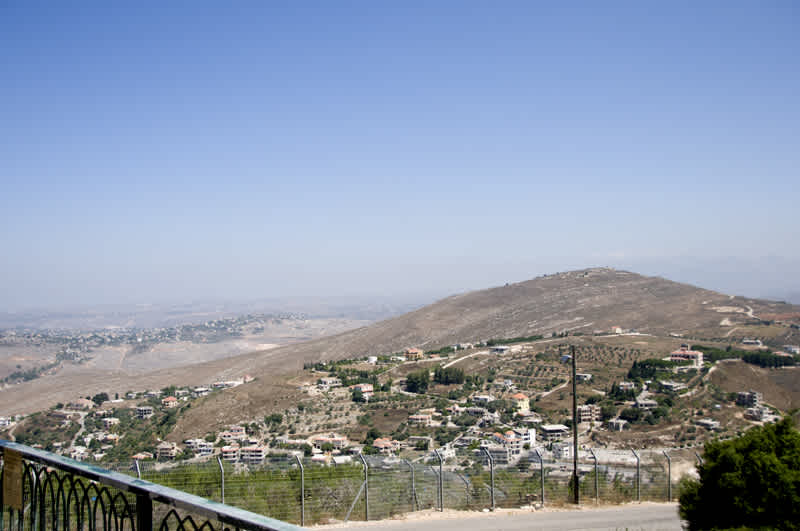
(752, 481)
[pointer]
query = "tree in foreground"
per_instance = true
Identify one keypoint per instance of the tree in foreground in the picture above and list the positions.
(752, 482)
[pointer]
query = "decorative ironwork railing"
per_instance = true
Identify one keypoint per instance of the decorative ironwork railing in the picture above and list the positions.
(42, 491)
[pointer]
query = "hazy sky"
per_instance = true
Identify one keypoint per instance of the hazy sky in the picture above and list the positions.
(250, 149)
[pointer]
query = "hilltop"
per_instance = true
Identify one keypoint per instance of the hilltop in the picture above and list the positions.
(577, 302)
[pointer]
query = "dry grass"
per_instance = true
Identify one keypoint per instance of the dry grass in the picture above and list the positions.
(781, 387)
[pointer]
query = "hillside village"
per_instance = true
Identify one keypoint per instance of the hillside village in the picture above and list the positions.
(506, 398)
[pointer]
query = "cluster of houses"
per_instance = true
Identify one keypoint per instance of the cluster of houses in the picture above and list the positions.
(504, 447)
(194, 392)
(107, 438)
(513, 445)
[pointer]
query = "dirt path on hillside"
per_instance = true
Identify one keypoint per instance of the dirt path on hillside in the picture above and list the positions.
(446, 365)
(554, 389)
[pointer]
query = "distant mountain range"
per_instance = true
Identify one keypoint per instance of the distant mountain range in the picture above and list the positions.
(164, 315)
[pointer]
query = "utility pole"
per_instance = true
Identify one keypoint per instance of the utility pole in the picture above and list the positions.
(576, 490)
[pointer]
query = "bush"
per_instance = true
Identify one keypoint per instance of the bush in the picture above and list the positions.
(752, 481)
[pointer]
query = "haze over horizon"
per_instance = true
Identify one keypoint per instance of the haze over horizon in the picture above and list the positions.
(158, 153)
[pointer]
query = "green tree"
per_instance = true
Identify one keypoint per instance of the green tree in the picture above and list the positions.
(417, 382)
(99, 398)
(274, 418)
(631, 414)
(608, 411)
(358, 395)
(450, 375)
(752, 481)
(372, 434)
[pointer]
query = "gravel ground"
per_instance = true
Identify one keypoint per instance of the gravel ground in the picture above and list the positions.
(650, 516)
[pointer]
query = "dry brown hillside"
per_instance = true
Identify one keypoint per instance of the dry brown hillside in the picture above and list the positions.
(577, 301)
(780, 387)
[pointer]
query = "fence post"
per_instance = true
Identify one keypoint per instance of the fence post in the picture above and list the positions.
(669, 476)
(441, 480)
(144, 513)
(575, 477)
(302, 490)
(491, 473)
(222, 478)
(638, 477)
(541, 472)
(366, 487)
(596, 480)
(414, 500)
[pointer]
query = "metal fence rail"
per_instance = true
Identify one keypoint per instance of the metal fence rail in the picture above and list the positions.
(60, 493)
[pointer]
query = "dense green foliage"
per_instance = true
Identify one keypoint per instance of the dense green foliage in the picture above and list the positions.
(509, 340)
(350, 377)
(766, 359)
(99, 398)
(631, 414)
(713, 354)
(274, 418)
(450, 375)
(752, 481)
(417, 382)
(620, 394)
(358, 395)
(443, 350)
(762, 359)
(647, 369)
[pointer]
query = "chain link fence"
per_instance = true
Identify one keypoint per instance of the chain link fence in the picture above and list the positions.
(300, 491)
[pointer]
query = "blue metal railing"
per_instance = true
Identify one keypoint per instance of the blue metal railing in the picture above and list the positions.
(63, 494)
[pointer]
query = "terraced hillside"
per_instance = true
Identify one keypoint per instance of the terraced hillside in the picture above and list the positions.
(578, 302)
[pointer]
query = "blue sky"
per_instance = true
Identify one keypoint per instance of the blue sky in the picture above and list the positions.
(210, 149)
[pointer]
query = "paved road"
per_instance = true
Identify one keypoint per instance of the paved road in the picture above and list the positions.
(648, 516)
